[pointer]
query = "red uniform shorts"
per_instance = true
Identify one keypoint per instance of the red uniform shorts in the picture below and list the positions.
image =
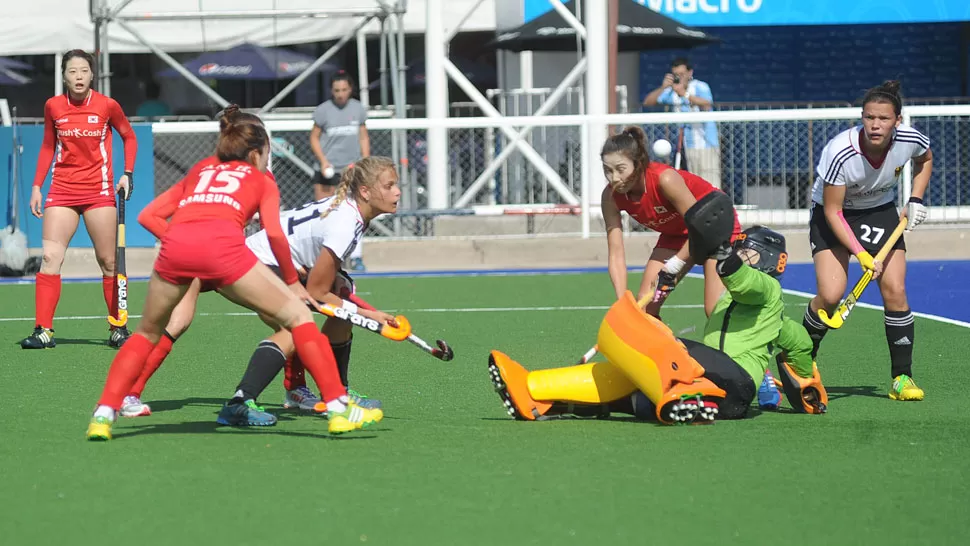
(677, 242)
(81, 202)
(214, 252)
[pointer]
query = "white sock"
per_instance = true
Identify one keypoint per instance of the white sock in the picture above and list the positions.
(337, 406)
(105, 411)
(358, 251)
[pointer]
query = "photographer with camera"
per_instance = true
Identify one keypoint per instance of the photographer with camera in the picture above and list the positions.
(697, 141)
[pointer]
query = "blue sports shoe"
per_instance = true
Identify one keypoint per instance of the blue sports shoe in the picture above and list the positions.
(363, 400)
(769, 397)
(247, 414)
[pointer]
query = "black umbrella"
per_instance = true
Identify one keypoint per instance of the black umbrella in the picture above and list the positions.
(639, 29)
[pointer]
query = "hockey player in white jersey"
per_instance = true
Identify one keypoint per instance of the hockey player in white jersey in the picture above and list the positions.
(854, 212)
(321, 235)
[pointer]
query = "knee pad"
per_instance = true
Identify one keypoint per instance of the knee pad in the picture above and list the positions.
(805, 394)
(710, 223)
(652, 358)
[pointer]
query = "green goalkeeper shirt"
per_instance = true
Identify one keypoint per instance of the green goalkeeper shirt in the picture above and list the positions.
(749, 322)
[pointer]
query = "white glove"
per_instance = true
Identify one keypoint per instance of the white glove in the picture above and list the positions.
(915, 213)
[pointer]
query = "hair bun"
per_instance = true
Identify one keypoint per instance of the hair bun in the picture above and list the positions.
(891, 86)
(226, 119)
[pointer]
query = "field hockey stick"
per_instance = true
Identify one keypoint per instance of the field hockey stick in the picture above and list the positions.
(441, 352)
(395, 333)
(680, 146)
(121, 272)
(595, 348)
(842, 312)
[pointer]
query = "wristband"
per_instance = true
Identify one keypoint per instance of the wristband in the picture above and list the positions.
(350, 306)
(674, 264)
(914, 199)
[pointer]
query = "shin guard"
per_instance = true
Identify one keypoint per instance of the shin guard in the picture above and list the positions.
(805, 394)
(657, 363)
(597, 383)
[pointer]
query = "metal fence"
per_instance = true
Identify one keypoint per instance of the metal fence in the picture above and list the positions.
(764, 164)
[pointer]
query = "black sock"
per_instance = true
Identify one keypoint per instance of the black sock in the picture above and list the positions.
(341, 352)
(579, 410)
(900, 332)
(264, 365)
(816, 328)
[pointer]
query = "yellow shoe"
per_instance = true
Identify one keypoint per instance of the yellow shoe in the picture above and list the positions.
(99, 429)
(904, 388)
(353, 418)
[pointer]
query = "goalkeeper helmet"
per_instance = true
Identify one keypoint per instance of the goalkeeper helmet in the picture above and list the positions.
(769, 254)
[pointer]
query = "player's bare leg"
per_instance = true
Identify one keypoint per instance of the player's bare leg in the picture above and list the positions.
(262, 291)
(59, 226)
(127, 365)
(900, 327)
(178, 323)
(831, 277)
(102, 226)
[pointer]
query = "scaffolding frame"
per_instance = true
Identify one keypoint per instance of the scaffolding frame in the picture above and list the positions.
(103, 13)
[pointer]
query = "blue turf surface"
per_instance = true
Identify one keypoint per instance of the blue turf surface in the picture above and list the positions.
(934, 287)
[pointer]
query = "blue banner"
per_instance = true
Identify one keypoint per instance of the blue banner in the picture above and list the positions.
(719, 13)
(31, 138)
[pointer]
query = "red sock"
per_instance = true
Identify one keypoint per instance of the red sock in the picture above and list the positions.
(124, 371)
(316, 354)
(155, 359)
(110, 287)
(46, 295)
(293, 373)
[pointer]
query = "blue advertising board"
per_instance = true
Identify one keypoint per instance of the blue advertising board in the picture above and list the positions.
(31, 138)
(719, 13)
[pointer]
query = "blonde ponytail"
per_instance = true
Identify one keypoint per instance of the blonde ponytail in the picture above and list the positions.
(363, 173)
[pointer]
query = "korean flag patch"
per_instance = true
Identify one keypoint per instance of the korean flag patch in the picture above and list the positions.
(93, 119)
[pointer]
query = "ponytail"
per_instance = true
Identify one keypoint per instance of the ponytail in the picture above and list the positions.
(631, 142)
(363, 173)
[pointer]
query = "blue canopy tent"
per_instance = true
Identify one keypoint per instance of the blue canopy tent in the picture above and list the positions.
(248, 62)
(14, 65)
(9, 77)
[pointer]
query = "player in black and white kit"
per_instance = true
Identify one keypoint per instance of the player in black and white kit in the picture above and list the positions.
(321, 235)
(854, 211)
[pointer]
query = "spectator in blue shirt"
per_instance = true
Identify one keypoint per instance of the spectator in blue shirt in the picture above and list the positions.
(682, 93)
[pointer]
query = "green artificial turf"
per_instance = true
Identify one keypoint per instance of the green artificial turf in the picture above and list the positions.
(447, 465)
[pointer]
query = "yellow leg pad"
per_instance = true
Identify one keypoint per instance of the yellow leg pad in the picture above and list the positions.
(597, 383)
(645, 350)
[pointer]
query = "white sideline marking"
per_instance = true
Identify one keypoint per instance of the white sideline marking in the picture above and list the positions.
(798, 293)
(428, 310)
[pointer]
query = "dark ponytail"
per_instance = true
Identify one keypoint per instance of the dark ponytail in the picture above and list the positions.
(632, 143)
(887, 92)
(239, 134)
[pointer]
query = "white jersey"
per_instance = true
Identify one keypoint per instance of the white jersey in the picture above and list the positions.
(308, 233)
(866, 185)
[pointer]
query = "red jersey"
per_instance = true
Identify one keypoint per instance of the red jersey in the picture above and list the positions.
(654, 210)
(232, 192)
(80, 136)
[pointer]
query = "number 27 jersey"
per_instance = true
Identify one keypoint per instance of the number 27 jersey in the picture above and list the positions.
(308, 231)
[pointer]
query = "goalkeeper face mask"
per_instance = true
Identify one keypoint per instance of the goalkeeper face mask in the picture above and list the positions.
(763, 249)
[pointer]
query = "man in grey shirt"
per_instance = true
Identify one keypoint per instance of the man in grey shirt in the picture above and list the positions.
(338, 139)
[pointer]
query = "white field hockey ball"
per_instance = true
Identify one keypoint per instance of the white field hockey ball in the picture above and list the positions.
(662, 148)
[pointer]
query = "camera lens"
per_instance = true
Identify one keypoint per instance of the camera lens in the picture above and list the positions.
(676, 79)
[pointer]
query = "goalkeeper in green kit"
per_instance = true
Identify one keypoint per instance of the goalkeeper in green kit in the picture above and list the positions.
(746, 327)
